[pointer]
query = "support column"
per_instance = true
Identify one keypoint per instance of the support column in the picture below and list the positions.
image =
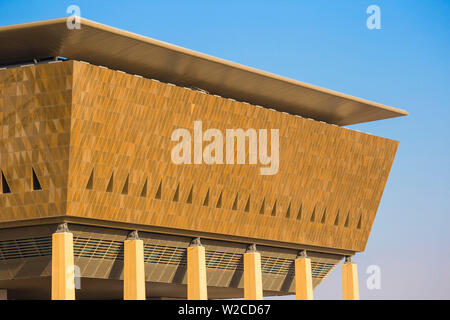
(196, 271)
(350, 290)
(252, 274)
(134, 273)
(63, 276)
(3, 294)
(303, 277)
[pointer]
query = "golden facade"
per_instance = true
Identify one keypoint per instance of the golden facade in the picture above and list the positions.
(91, 146)
(99, 142)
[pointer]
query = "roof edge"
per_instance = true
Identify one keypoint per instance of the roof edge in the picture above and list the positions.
(396, 111)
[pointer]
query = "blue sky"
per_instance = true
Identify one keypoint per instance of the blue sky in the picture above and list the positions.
(406, 64)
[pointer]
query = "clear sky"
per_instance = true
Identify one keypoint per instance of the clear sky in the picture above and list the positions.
(405, 64)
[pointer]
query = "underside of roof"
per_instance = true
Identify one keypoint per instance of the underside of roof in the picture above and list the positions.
(120, 50)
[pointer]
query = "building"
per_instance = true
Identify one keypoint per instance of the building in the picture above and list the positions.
(86, 118)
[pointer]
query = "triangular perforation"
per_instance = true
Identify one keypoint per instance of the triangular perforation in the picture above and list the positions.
(299, 213)
(235, 203)
(89, 185)
(159, 191)
(247, 206)
(288, 211)
(36, 183)
(313, 216)
(219, 201)
(347, 220)
(189, 198)
(263, 207)
(125, 185)
(176, 195)
(144, 190)
(110, 186)
(274, 210)
(336, 220)
(206, 201)
(324, 217)
(5, 185)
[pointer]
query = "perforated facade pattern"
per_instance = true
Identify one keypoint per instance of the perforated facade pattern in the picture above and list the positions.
(99, 142)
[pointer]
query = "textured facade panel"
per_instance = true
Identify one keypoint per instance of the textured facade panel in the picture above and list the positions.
(35, 104)
(122, 126)
(326, 192)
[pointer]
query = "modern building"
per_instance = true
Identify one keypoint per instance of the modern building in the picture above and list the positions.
(92, 206)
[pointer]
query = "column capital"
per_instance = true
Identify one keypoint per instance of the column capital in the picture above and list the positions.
(133, 235)
(62, 227)
(251, 249)
(348, 260)
(195, 243)
(301, 254)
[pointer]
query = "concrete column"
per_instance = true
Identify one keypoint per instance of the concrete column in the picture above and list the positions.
(252, 274)
(134, 273)
(63, 277)
(196, 271)
(303, 277)
(350, 290)
(3, 294)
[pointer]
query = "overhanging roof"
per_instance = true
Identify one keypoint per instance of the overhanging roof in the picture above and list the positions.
(116, 49)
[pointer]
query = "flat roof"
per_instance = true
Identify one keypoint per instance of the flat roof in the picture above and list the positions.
(135, 54)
